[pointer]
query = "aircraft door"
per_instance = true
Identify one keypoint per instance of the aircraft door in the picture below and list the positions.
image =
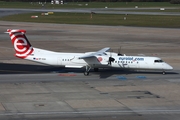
(133, 64)
(125, 64)
(59, 61)
(142, 64)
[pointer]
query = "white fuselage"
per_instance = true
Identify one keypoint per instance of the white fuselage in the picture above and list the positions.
(72, 60)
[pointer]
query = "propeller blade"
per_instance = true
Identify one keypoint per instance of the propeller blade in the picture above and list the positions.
(111, 59)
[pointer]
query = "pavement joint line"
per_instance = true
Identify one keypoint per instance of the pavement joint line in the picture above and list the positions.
(161, 111)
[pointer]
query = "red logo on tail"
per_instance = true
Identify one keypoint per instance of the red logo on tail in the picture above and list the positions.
(21, 44)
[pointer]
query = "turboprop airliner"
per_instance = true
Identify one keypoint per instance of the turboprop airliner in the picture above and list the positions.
(88, 60)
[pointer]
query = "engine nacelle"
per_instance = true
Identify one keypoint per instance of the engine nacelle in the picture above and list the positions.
(103, 59)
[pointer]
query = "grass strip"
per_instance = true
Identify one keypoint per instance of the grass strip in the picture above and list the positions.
(86, 5)
(99, 19)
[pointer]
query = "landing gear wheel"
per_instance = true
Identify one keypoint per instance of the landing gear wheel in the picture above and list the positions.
(86, 73)
(163, 72)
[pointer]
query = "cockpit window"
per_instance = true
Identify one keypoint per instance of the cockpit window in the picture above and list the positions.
(158, 61)
(161, 61)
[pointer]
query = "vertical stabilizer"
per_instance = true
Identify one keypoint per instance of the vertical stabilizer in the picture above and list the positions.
(20, 42)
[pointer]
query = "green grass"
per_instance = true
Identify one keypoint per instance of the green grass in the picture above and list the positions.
(99, 19)
(154, 10)
(84, 5)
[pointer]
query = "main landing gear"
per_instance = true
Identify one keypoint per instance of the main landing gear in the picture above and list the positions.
(88, 68)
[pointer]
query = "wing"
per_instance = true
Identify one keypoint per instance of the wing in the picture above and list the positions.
(98, 53)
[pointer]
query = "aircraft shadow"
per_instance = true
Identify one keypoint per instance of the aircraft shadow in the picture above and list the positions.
(109, 72)
(8, 68)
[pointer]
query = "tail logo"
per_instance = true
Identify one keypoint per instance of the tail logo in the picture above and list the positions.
(21, 44)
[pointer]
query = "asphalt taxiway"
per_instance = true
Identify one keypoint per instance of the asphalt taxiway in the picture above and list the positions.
(74, 96)
(34, 91)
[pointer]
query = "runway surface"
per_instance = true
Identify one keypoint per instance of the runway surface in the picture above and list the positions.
(34, 91)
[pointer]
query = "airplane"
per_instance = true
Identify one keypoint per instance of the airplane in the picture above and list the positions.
(88, 60)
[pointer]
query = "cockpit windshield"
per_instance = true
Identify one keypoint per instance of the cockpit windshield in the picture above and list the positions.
(158, 61)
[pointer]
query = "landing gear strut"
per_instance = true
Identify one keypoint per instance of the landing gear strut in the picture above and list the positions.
(163, 72)
(88, 68)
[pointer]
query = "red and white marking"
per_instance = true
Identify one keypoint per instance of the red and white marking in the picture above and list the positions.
(20, 43)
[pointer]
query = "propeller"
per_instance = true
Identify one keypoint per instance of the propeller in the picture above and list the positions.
(119, 51)
(111, 59)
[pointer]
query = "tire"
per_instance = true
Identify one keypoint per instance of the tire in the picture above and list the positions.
(86, 73)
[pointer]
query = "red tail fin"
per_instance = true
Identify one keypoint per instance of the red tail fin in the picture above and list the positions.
(21, 44)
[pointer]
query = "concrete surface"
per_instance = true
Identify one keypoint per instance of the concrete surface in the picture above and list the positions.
(41, 92)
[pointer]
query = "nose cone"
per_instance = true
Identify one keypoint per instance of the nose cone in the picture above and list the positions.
(168, 67)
